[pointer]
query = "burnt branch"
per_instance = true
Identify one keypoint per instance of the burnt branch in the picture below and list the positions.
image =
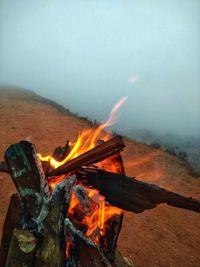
(133, 195)
(28, 176)
(94, 155)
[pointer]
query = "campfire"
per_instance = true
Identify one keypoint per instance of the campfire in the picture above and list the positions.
(69, 207)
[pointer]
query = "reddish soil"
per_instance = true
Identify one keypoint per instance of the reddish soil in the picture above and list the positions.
(164, 236)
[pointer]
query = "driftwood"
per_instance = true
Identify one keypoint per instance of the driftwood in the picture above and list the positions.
(22, 249)
(94, 155)
(133, 195)
(12, 220)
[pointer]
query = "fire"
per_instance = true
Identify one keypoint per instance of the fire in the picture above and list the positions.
(95, 216)
(87, 139)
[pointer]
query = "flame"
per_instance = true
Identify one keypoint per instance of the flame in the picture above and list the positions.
(96, 219)
(87, 139)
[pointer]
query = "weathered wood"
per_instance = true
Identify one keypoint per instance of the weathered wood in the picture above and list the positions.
(94, 155)
(51, 252)
(28, 176)
(12, 220)
(3, 167)
(133, 195)
(22, 249)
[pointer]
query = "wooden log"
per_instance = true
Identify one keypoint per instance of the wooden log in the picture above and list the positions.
(22, 249)
(12, 220)
(133, 195)
(82, 251)
(28, 176)
(113, 163)
(3, 167)
(94, 155)
(51, 252)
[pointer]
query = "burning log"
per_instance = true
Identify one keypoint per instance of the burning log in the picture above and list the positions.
(28, 176)
(52, 248)
(94, 155)
(133, 195)
(83, 252)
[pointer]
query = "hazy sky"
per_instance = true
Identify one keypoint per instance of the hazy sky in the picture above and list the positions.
(86, 55)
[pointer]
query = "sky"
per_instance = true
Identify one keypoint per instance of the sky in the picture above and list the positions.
(87, 55)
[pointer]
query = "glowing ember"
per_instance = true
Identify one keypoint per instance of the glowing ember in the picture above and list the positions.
(95, 218)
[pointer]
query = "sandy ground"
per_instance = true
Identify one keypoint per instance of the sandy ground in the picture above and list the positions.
(164, 236)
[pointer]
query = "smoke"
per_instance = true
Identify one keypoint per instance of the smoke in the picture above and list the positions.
(87, 55)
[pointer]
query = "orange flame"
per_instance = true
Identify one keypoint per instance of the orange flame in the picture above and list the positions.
(96, 219)
(87, 138)
(100, 212)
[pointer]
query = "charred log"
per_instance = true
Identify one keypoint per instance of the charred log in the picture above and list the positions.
(94, 155)
(51, 252)
(133, 195)
(81, 251)
(28, 176)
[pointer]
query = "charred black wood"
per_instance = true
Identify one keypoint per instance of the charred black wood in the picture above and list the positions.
(12, 220)
(108, 242)
(94, 155)
(51, 252)
(81, 251)
(22, 249)
(60, 153)
(29, 179)
(3, 167)
(133, 195)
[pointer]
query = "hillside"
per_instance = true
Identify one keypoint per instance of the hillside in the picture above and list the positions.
(164, 236)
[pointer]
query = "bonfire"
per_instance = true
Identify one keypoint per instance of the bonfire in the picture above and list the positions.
(69, 207)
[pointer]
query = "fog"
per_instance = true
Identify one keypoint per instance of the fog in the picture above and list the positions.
(87, 55)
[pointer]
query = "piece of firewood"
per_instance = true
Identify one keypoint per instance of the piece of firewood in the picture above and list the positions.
(12, 220)
(133, 195)
(22, 249)
(94, 155)
(51, 252)
(28, 176)
(82, 251)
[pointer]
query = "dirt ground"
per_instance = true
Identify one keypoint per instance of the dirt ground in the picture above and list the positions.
(164, 236)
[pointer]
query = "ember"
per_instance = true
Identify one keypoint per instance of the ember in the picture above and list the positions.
(69, 206)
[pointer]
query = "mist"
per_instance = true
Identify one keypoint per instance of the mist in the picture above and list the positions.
(87, 55)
